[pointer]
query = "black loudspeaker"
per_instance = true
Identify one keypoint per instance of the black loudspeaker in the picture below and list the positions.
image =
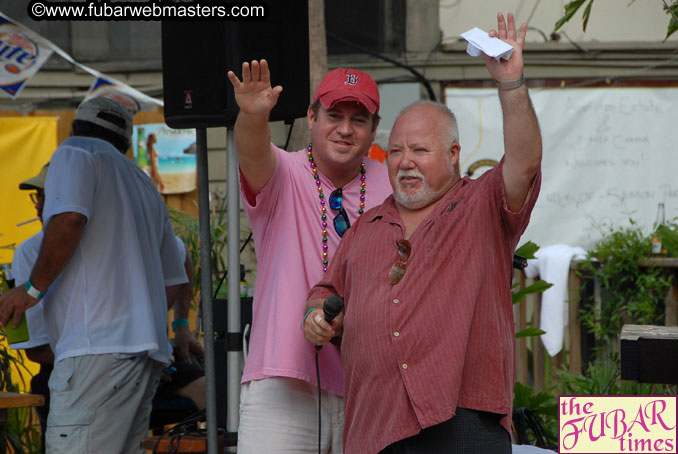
(221, 380)
(197, 55)
(223, 342)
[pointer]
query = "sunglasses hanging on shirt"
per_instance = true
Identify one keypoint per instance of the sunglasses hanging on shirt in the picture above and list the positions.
(341, 222)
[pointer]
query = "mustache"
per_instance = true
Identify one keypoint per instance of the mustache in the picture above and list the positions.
(409, 173)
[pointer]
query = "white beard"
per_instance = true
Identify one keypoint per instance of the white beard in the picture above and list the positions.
(419, 199)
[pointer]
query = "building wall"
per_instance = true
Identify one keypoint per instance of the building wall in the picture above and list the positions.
(610, 20)
(623, 41)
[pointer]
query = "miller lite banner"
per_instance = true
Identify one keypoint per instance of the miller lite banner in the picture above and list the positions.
(133, 99)
(22, 53)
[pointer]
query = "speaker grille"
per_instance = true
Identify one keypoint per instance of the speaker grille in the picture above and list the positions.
(197, 55)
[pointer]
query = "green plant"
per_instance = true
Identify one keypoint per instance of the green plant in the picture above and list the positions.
(187, 227)
(534, 415)
(603, 378)
(527, 251)
(572, 7)
(668, 234)
(631, 293)
(536, 412)
(634, 292)
(20, 433)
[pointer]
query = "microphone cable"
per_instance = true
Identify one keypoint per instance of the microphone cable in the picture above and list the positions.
(317, 376)
(332, 306)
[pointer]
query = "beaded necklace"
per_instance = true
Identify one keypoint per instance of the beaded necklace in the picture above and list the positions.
(323, 203)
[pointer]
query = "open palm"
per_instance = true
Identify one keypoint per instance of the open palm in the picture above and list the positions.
(254, 93)
(511, 69)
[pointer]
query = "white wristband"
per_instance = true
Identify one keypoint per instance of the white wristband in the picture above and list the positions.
(32, 291)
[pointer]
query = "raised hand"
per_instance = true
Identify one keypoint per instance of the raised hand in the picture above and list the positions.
(254, 93)
(511, 69)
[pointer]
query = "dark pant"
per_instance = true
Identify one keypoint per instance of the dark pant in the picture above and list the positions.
(468, 432)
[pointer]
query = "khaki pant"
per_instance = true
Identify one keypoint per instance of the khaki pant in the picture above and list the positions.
(280, 415)
(101, 403)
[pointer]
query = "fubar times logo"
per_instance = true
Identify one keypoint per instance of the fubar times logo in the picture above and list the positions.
(617, 424)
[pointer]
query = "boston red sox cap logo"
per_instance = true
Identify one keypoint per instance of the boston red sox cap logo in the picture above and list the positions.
(351, 79)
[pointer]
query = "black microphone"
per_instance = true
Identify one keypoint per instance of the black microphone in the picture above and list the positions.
(519, 262)
(332, 306)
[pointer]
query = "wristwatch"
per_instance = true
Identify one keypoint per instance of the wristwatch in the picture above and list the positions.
(34, 292)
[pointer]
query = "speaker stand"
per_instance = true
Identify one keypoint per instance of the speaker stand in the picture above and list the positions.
(233, 358)
(206, 288)
(233, 355)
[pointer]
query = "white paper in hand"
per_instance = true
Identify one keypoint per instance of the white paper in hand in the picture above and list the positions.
(479, 43)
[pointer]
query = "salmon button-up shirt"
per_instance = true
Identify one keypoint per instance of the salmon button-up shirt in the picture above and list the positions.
(441, 338)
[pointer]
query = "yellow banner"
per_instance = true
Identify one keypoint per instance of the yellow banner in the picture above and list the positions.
(26, 144)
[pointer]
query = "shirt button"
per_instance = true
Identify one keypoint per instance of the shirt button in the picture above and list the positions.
(396, 334)
(396, 301)
(404, 365)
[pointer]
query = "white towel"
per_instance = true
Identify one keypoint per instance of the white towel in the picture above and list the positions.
(552, 264)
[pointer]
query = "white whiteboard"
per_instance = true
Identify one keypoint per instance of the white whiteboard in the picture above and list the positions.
(610, 155)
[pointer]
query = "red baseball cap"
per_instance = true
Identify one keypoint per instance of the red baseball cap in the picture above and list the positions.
(345, 84)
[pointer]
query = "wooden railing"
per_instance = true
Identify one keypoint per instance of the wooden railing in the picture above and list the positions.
(575, 337)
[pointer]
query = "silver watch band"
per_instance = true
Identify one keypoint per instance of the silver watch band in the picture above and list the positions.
(511, 84)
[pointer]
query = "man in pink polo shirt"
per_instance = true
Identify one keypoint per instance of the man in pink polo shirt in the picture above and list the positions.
(428, 334)
(299, 205)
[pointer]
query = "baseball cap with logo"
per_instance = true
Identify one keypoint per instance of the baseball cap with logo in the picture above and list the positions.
(36, 182)
(345, 84)
(108, 114)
